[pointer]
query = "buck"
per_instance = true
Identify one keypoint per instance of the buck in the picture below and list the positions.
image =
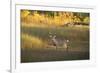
(58, 43)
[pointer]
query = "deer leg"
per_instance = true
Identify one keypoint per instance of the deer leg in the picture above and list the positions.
(56, 47)
(67, 49)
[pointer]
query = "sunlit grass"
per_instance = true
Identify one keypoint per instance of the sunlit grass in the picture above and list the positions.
(36, 37)
(31, 42)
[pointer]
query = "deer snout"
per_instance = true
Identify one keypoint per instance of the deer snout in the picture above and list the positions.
(67, 41)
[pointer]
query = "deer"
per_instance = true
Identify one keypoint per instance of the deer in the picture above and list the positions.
(58, 43)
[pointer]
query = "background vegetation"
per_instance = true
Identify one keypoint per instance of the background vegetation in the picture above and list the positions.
(51, 18)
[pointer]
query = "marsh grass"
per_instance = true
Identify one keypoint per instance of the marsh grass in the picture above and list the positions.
(35, 42)
(31, 42)
(76, 33)
(37, 37)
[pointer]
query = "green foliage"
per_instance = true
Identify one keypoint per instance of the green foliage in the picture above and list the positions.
(81, 15)
(86, 20)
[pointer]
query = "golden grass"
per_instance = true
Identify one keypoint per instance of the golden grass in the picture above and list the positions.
(31, 42)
